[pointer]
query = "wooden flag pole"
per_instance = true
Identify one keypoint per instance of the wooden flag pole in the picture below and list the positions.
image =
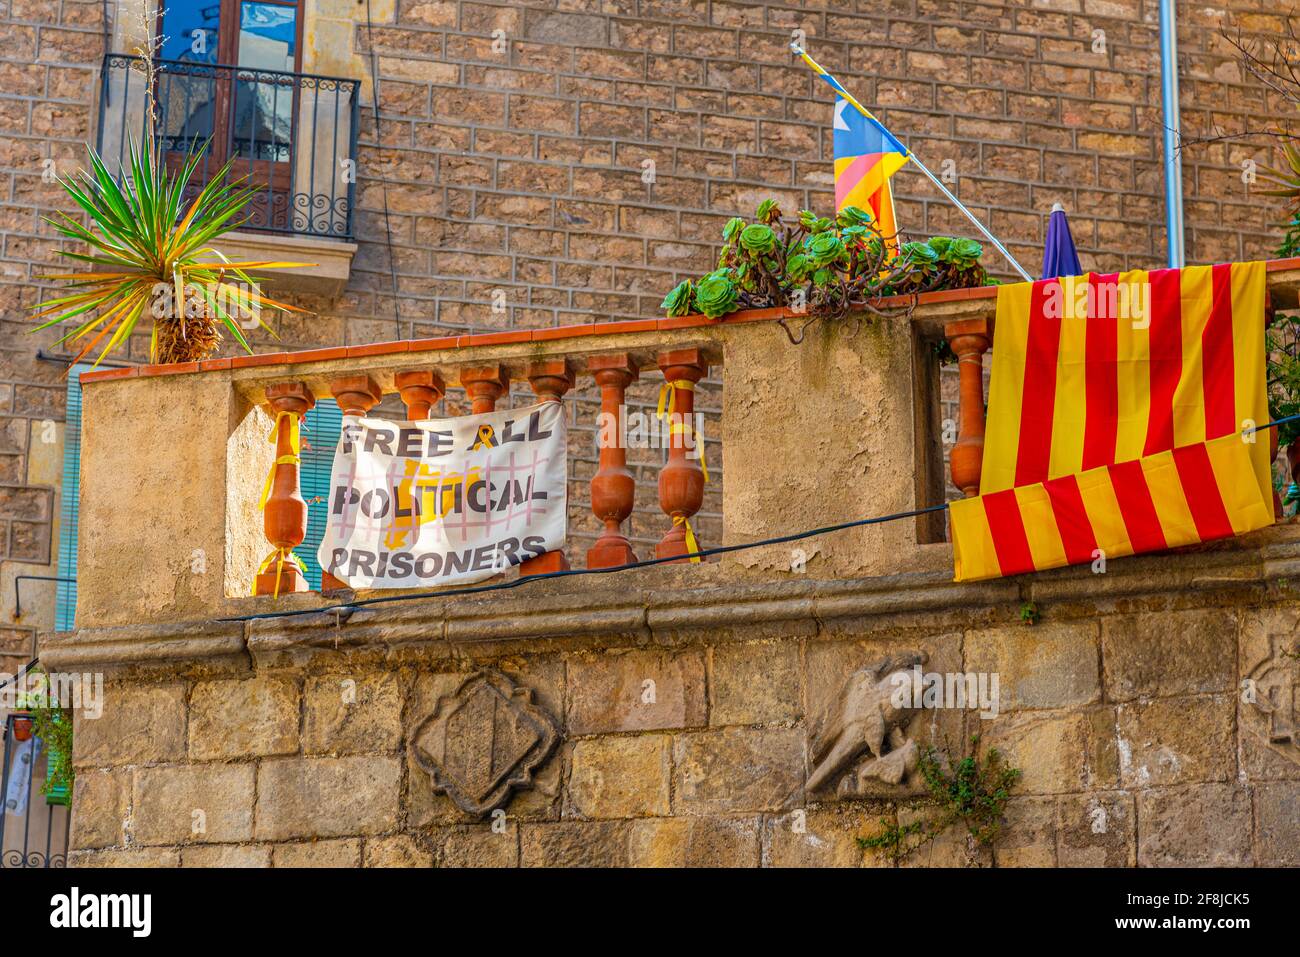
(799, 51)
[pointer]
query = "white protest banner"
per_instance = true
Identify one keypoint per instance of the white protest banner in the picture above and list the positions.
(445, 501)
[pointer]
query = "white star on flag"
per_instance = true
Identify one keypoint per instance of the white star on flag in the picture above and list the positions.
(840, 103)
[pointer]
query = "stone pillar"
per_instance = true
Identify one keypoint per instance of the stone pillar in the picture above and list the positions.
(550, 379)
(484, 385)
(613, 489)
(681, 482)
(420, 390)
(356, 395)
(284, 512)
(969, 339)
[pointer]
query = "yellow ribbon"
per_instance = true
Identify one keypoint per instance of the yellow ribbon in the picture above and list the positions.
(668, 394)
(278, 556)
(295, 443)
(691, 544)
(486, 438)
(681, 428)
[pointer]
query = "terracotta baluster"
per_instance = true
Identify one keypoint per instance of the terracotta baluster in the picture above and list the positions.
(284, 513)
(420, 390)
(355, 395)
(550, 379)
(613, 489)
(969, 339)
(484, 385)
(681, 482)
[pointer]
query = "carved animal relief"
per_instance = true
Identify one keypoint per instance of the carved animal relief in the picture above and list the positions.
(864, 732)
(484, 741)
(1275, 704)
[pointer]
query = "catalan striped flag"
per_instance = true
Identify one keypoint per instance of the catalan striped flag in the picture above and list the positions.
(866, 156)
(1115, 417)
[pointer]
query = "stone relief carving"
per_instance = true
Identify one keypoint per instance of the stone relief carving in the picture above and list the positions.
(864, 733)
(484, 741)
(1272, 687)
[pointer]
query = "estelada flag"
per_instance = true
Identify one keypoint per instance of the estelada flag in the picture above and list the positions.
(1117, 407)
(866, 156)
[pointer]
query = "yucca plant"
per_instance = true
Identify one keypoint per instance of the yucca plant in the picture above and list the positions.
(151, 258)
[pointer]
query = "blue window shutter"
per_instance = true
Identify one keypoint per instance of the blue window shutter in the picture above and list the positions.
(320, 434)
(320, 437)
(65, 600)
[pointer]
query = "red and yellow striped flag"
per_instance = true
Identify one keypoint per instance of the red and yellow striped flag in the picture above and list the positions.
(1116, 407)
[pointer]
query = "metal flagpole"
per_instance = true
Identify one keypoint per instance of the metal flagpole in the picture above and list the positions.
(919, 165)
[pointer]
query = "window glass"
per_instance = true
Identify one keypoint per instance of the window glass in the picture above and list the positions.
(190, 30)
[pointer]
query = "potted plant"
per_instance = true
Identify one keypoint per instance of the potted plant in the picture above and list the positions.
(151, 258)
(826, 266)
(22, 727)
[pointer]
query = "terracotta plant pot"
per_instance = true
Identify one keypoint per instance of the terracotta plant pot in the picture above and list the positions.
(22, 729)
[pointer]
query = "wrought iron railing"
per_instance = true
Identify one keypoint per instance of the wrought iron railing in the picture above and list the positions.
(292, 135)
(34, 820)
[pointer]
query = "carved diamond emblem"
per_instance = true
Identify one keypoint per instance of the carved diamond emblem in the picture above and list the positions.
(484, 741)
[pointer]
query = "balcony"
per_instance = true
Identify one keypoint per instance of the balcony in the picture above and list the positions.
(292, 136)
(844, 426)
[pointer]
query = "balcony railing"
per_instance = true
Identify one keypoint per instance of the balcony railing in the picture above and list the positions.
(292, 135)
(34, 821)
(845, 426)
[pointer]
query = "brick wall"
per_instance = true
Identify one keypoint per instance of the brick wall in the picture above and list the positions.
(512, 143)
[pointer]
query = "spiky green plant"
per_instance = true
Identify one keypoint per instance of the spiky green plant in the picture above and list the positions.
(150, 256)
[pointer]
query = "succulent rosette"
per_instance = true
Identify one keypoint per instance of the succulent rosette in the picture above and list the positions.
(678, 302)
(716, 295)
(758, 239)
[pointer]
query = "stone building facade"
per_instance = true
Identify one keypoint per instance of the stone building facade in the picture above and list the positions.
(501, 183)
(535, 165)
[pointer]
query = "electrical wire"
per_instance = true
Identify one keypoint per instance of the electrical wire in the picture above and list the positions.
(575, 572)
(648, 563)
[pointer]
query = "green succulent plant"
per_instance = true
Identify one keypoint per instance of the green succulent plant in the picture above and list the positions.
(680, 300)
(758, 238)
(826, 265)
(716, 294)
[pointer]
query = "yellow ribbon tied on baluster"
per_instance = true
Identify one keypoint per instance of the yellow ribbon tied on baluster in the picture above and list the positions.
(681, 428)
(278, 556)
(668, 394)
(692, 545)
(668, 402)
(295, 443)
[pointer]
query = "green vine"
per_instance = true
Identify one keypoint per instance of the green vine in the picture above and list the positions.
(53, 725)
(1029, 613)
(974, 794)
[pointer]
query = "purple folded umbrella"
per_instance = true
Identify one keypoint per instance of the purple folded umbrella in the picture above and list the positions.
(1060, 258)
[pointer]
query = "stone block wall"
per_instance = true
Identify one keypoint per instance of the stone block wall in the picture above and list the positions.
(1142, 710)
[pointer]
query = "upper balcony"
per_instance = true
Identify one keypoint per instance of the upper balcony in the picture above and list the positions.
(291, 136)
(844, 426)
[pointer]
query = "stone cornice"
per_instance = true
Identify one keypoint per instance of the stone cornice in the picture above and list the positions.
(668, 606)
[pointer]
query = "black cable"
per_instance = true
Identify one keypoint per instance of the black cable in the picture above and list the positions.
(22, 671)
(572, 572)
(383, 183)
